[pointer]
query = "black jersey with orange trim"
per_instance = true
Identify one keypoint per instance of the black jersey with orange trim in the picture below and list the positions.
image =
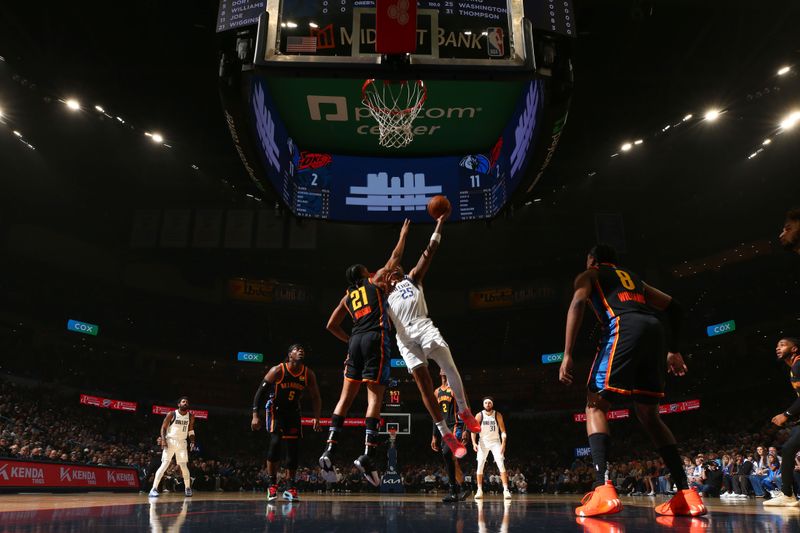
(447, 404)
(794, 376)
(366, 304)
(288, 389)
(617, 291)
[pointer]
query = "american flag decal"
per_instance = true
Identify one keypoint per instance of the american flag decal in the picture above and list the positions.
(301, 44)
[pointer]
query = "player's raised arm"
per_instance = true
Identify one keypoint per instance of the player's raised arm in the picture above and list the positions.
(316, 399)
(258, 398)
(662, 301)
(583, 290)
(418, 272)
(336, 319)
(397, 253)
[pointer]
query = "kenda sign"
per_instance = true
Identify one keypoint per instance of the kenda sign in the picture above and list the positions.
(83, 327)
(721, 329)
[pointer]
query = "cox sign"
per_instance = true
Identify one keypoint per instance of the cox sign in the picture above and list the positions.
(83, 327)
(552, 357)
(250, 357)
(721, 329)
(398, 363)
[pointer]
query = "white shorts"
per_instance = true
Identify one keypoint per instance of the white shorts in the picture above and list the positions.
(178, 449)
(416, 350)
(496, 448)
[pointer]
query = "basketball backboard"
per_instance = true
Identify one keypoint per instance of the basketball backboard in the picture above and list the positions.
(450, 32)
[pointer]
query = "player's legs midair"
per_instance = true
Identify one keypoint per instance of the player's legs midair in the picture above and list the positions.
(444, 359)
(350, 390)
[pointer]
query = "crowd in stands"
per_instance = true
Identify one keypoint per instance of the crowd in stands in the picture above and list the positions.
(38, 424)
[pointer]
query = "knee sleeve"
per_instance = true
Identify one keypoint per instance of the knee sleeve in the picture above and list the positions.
(292, 453)
(444, 359)
(274, 452)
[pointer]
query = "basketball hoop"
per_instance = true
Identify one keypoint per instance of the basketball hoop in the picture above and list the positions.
(394, 105)
(392, 435)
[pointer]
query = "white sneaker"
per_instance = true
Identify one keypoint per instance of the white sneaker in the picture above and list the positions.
(775, 493)
(153, 493)
(479, 494)
(782, 501)
(651, 493)
(506, 494)
(741, 496)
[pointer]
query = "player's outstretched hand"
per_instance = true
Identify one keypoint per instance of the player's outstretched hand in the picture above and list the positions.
(315, 425)
(445, 216)
(780, 420)
(405, 228)
(192, 447)
(565, 372)
(434, 447)
(675, 364)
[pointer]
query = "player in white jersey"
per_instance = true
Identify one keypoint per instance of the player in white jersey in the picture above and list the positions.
(492, 439)
(178, 426)
(419, 340)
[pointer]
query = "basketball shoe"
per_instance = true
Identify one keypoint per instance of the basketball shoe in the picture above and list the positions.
(272, 493)
(367, 467)
(602, 500)
(455, 445)
(686, 502)
(469, 421)
(291, 495)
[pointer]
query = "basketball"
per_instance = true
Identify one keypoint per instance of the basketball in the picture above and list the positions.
(438, 206)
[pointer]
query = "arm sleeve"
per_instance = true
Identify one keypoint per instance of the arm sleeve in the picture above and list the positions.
(258, 398)
(794, 410)
(674, 312)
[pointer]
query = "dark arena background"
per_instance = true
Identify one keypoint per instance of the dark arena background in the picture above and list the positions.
(183, 185)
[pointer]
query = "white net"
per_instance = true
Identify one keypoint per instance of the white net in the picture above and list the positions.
(394, 105)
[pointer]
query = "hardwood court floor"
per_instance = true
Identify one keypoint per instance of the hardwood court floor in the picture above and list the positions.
(207, 512)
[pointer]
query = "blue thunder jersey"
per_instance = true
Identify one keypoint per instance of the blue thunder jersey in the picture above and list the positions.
(366, 304)
(287, 390)
(616, 291)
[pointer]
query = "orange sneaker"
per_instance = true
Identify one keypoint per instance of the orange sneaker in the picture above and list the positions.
(469, 421)
(602, 500)
(686, 502)
(455, 445)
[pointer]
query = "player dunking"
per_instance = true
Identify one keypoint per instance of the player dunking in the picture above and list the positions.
(419, 340)
(285, 384)
(788, 351)
(447, 405)
(177, 426)
(493, 439)
(369, 351)
(629, 364)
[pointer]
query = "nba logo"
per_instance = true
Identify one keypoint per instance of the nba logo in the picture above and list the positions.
(495, 42)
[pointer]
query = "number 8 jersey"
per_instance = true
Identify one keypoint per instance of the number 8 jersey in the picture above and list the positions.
(617, 291)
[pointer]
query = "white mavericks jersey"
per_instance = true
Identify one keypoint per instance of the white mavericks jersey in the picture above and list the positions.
(490, 432)
(408, 309)
(179, 429)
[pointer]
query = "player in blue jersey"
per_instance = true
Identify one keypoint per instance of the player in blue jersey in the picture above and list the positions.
(631, 364)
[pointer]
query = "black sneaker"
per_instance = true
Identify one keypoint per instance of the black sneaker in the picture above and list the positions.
(367, 467)
(457, 494)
